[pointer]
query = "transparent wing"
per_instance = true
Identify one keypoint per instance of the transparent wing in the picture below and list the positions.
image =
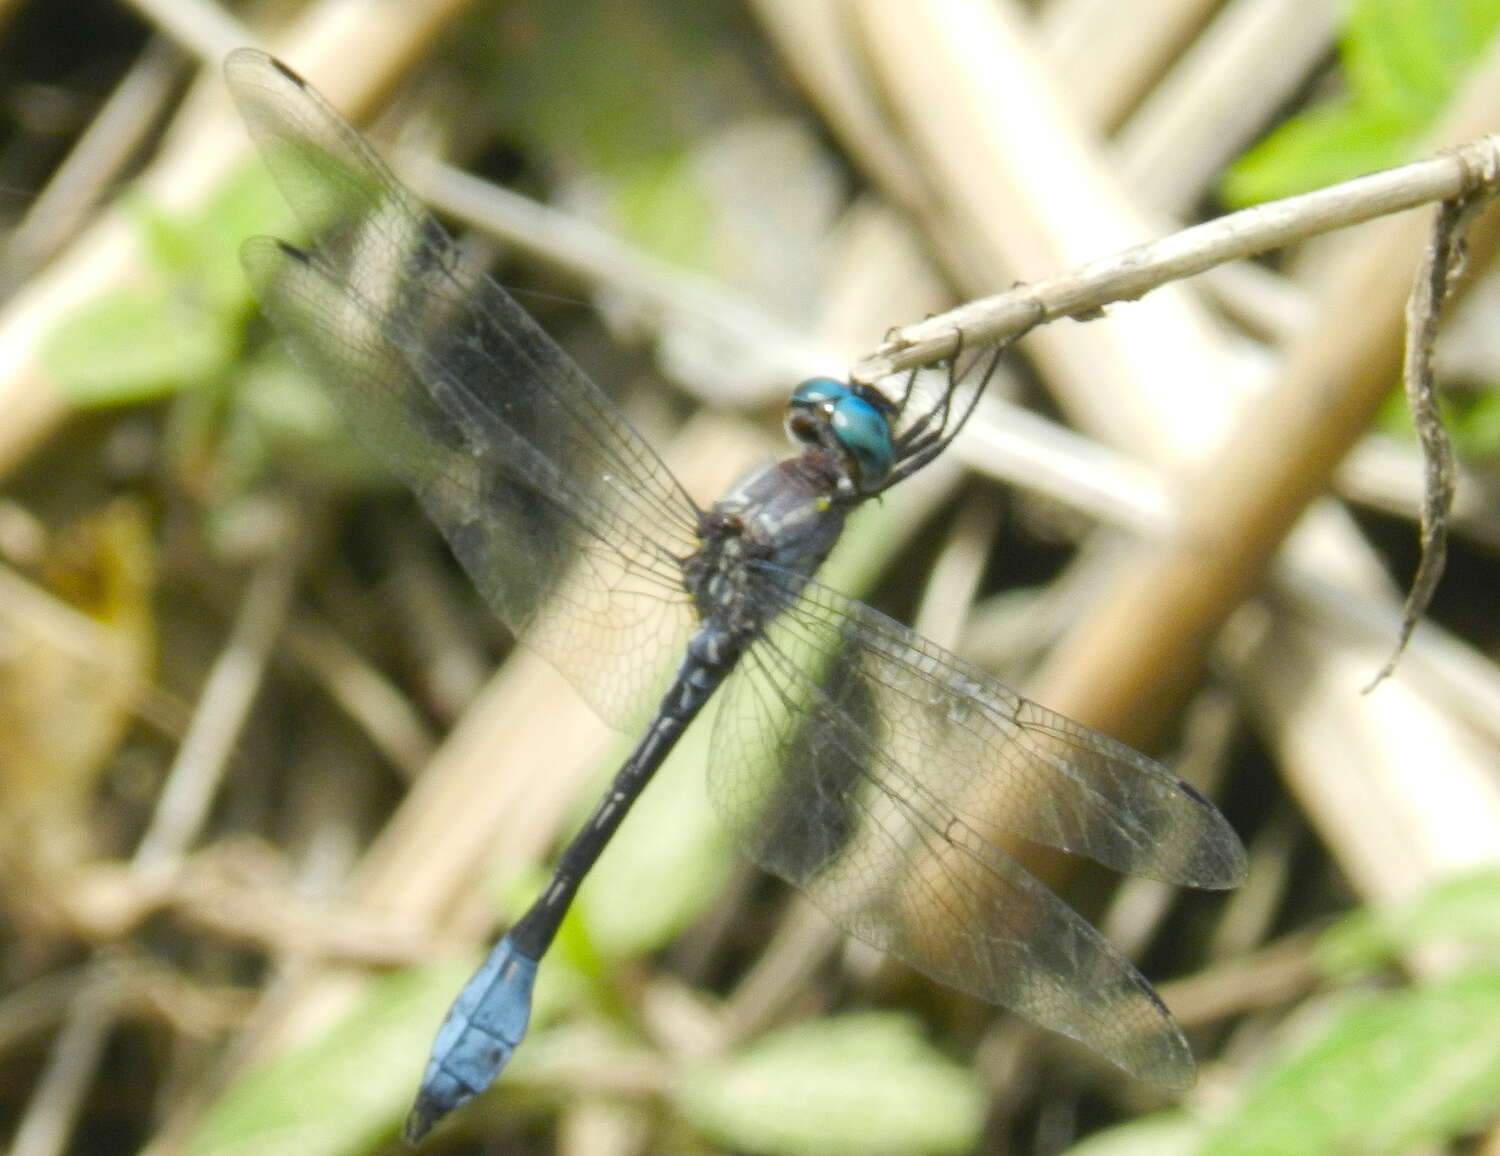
(568, 522)
(877, 773)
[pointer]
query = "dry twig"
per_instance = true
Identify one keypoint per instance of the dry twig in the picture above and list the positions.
(1442, 263)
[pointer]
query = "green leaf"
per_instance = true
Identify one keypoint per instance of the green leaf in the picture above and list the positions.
(629, 133)
(245, 204)
(346, 1091)
(138, 344)
(1402, 62)
(165, 237)
(202, 247)
(280, 414)
(1414, 1068)
(858, 1084)
(1463, 910)
(182, 327)
(1317, 148)
(1476, 432)
(1160, 1134)
(1410, 54)
(663, 207)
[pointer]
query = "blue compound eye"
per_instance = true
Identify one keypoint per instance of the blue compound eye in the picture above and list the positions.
(856, 423)
(866, 434)
(819, 391)
(809, 411)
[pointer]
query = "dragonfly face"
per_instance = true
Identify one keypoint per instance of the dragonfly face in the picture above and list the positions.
(850, 421)
(790, 515)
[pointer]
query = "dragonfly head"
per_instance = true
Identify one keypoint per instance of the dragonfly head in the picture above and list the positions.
(851, 421)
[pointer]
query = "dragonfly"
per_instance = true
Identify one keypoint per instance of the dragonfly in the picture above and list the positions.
(875, 771)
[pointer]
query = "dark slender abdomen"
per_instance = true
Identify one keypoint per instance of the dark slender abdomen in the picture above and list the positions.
(490, 1015)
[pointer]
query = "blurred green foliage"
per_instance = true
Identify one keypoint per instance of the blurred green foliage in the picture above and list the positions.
(1402, 62)
(1462, 911)
(1472, 418)
(863, 1084)
(344, 1092)
(1395, 1072)
(1371, 1069)
(559, 85)
(183, 326)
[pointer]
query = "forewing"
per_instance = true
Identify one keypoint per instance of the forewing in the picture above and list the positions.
(568, 522)
(876, 772)
(986, 757)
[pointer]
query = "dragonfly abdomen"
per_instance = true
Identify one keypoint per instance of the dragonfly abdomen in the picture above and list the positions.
(490, 1016)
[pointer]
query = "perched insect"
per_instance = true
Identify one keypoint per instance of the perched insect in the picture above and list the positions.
(851, 756)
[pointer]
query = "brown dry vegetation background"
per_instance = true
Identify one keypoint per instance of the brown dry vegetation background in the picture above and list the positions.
(270, 773)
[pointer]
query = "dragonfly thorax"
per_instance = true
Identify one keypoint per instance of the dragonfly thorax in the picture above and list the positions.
(783, 515)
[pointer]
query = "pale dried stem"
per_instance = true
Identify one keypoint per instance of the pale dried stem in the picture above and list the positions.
(1219, 95)
(1017, 447)
(57, 1100)
(232, 684)
(1026, 192)
(569, 242)
(1114, 53)
(1134, 272)
(392, 723)
(94, 163)
(1277, 460)
(202, 27)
